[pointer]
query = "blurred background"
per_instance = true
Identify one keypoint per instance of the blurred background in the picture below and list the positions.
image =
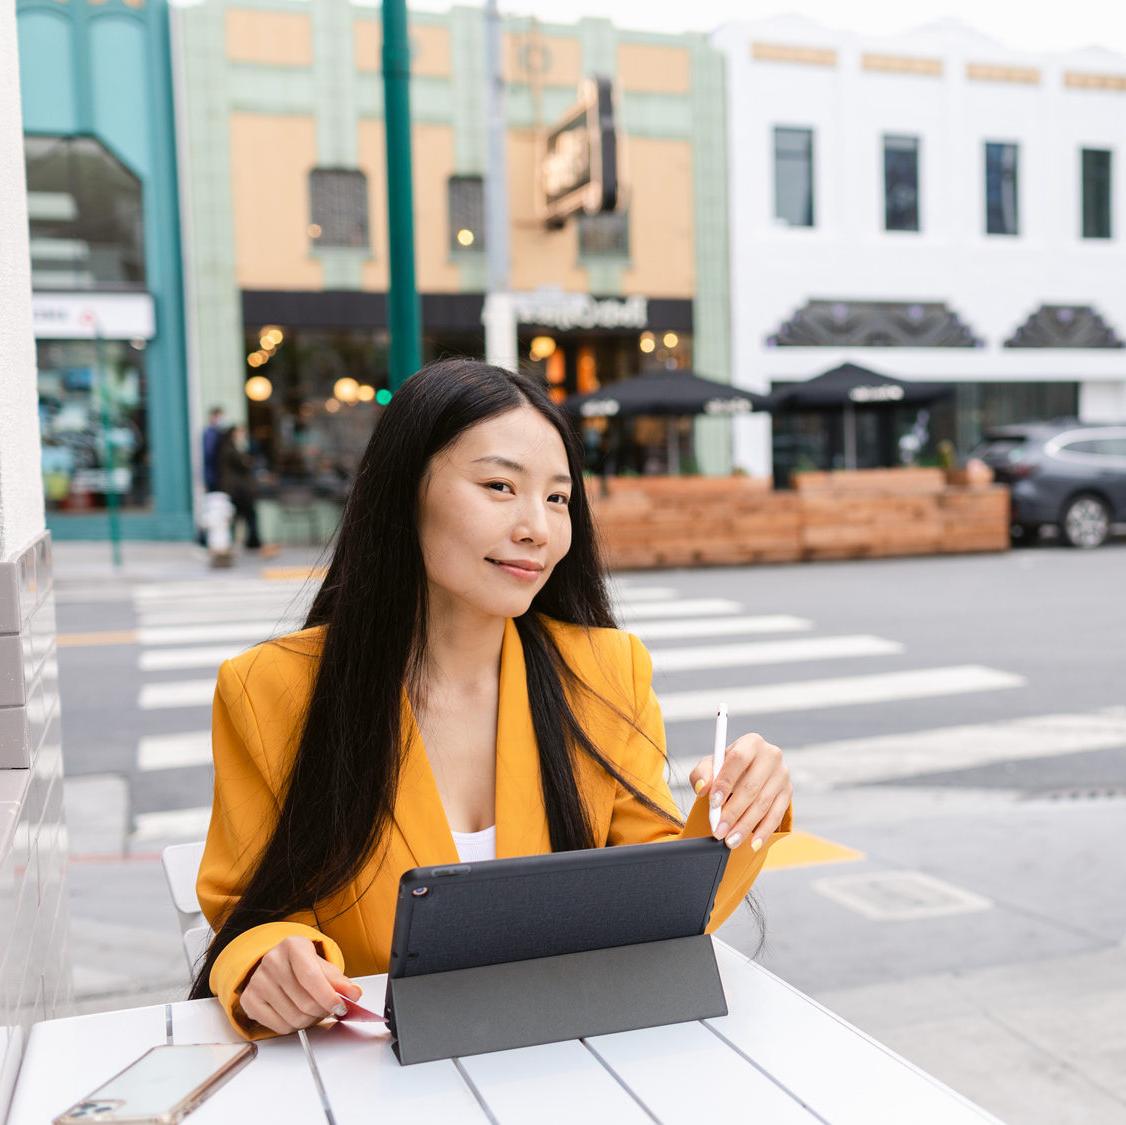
(889, 238)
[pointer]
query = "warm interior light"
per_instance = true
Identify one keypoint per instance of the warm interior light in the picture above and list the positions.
(346, 389)
(314, 230)
(670, 339)
(542, 347)
(331, 406)
(465, 237)
(647, 344)
(365, 393)
(255, 359)
(258, 388)
(273, 334)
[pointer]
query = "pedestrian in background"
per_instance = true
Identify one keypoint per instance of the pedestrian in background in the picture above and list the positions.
(235, 469)
(211, 436)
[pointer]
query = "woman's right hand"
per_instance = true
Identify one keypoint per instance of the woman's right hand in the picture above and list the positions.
(293, 987)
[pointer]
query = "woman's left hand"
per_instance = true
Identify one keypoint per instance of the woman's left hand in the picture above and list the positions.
(752, 790)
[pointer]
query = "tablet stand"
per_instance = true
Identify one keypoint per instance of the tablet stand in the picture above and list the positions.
(547, 999)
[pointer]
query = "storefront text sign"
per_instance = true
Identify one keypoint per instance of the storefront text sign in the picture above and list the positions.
(82, 316)
(881, 393)
(565, 311)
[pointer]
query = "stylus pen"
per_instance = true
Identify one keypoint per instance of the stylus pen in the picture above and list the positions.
(718, 749)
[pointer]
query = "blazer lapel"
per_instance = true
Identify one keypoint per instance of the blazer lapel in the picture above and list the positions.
(521, 817)
(419, 813)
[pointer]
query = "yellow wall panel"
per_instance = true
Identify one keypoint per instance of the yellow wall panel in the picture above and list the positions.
(370, 154)
(430, 49)
(652, 69)
(550, 60)
(661, 235)
(271, 157)
(270, 38)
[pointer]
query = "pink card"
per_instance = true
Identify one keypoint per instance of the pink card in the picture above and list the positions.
(359, 1013)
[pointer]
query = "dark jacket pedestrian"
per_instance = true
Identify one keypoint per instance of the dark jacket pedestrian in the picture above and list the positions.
(235, 472)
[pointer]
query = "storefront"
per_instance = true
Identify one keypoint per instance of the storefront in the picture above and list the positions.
(105, 268)
(316, 374)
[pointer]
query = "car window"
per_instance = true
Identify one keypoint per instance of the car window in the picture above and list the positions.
(1100, 447)
(1001, 449)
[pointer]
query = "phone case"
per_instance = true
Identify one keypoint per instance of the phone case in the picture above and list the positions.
(106, 1106)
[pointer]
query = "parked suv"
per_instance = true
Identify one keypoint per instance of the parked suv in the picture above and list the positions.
(1068, 473)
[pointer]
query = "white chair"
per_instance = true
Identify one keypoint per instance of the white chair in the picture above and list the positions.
(181, 866)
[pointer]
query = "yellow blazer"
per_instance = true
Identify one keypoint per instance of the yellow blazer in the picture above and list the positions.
(260, 699)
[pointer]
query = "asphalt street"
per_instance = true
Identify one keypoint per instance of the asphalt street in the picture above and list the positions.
(956, 729)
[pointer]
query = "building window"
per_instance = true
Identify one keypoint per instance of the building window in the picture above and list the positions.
(338, 208)
(1001, 188)
(86, 216)
(603, 234)
(793, 177)
(901, 183)
(1096, 193)
(467, 212)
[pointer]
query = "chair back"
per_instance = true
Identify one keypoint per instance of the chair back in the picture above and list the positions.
(181, 866)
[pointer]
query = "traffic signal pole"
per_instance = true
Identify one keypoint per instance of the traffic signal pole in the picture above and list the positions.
(402, 298)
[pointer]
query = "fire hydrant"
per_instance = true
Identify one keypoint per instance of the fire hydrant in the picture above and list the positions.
(218, 512)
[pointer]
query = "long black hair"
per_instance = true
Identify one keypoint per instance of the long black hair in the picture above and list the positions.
(340, 793)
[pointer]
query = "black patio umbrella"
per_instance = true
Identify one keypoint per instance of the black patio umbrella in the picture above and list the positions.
(673, 392)
(670, 393)
(849, 386)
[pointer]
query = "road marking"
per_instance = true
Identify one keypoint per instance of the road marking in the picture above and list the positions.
(688, 607)
(172, 591)
(803, 849)
(854, 761)
(645, 593)
(289, 573)
(105, 637)
(206, 614)
(770, 652)
(249, 631)
(168, 659)
(847, 691)
(172, 824)
(719, 627)
(171, 751)
(178, 693)
(900, 896)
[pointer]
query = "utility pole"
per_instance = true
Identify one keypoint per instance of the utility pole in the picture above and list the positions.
(402, 297)
(499, 314)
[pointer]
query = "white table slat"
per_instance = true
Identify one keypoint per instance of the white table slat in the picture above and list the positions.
(553, 1084)
(364, 1081)
(683, 1072)
(67, 1058)
(842, 1074)
(280, 1068)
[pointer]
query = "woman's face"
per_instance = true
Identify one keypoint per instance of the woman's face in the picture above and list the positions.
(493, 515)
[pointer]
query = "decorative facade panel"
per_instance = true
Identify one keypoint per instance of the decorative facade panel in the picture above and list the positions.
(874, 324)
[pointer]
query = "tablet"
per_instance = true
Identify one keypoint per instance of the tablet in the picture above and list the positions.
(466, 915)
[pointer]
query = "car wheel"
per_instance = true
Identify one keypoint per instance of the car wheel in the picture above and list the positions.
(1086, 522)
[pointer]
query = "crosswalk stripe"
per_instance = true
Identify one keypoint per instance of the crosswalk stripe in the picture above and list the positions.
(251, 632)
(698, 657)
(719, 626)
(172, 591)
(645, 593)
(687, 607)
(172, 824)
(172, 751)
(855, 761)
(179, 693)
(847, 691)
(169, 659)
(207, 614)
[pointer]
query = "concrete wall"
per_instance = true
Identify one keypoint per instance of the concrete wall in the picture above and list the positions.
(34, 970)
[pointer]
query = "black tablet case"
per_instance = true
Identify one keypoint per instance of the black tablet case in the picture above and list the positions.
(513, 952)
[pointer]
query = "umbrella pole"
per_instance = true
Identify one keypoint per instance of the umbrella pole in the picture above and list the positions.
(673, 444)
(850, 436)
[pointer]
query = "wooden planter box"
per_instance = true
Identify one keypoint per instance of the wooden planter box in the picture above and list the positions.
(650, 522)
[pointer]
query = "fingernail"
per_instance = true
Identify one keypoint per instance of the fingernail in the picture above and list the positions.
(721, 829)
(700, 783)
(735, 839)
(340, 1011)
(756, 844)
(717, 799)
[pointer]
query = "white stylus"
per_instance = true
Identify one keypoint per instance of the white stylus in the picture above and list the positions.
(718, 751)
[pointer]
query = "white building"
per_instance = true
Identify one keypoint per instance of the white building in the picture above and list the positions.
(859, 170)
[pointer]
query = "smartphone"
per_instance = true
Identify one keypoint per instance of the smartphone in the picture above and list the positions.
(161, 1087)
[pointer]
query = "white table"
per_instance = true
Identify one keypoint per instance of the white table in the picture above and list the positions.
(778, 1058)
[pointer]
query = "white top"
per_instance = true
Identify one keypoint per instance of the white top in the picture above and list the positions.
(475, 846)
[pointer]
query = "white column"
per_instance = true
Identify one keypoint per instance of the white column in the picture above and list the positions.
(1103, 400)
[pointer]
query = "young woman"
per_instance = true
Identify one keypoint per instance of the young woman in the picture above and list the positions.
(459, 691)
